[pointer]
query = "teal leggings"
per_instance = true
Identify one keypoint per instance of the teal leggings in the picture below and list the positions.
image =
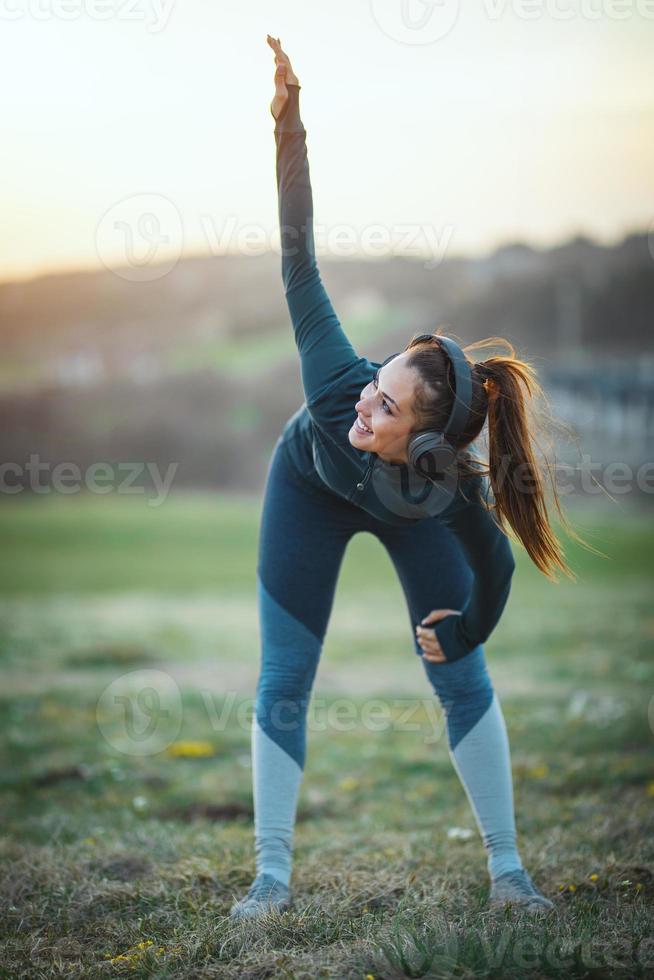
(304, 531)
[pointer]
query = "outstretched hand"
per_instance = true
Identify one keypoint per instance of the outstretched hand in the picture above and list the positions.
(283, 73)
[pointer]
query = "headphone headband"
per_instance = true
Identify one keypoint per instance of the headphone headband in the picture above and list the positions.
(463, 388)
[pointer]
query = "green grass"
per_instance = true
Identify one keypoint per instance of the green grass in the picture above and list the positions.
(59, 544)
(103, 850)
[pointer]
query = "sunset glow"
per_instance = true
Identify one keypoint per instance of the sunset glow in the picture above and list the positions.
(505, 128)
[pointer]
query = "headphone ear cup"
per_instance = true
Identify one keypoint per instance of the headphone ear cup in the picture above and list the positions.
(430, 453)
(420, 444)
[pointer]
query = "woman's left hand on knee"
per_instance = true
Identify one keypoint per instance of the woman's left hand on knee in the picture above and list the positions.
(431, 648)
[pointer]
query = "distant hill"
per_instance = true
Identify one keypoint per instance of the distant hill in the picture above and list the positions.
(200, 365)
(93, 326)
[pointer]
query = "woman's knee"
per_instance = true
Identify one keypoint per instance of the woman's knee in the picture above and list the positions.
(286, 679)
(464, 690)
(466, 679)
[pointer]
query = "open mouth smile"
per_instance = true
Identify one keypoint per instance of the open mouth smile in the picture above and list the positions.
(362, 428)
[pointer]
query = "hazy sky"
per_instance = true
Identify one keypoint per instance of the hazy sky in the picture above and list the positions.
(138, 129)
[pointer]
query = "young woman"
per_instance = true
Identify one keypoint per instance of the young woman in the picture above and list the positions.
(347, 461)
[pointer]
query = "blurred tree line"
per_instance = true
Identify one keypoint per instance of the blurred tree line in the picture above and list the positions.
(199, 368)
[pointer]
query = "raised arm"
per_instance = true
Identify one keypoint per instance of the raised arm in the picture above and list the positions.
(488, 552)
(325, 351)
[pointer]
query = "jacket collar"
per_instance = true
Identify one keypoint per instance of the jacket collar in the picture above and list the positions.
(372, 458)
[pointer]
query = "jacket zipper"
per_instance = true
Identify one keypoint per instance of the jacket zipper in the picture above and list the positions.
(371, 463)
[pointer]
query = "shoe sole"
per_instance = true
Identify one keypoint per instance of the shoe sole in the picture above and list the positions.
(525, 906)
(259, 912)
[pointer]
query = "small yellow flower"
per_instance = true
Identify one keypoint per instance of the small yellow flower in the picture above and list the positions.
(650, 788)
(639, 886)
(540, 771)
(190, 750)
(133, 955)
(572, 888)
(348, 784)
(369, 976)
(593, 877)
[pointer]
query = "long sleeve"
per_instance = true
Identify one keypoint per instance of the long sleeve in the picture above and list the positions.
(488, 552)
(325, 351)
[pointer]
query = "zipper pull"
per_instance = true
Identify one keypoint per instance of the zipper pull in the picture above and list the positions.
(361, 486)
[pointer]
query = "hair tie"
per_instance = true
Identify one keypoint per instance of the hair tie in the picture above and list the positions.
(487, 381)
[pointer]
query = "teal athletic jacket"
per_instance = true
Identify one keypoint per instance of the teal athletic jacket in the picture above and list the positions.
(333, 377)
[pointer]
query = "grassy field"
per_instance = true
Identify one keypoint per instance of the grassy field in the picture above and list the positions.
(124, 864)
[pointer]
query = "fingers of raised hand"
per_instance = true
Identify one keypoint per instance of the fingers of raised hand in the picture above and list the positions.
(280, 55)
(277, 48)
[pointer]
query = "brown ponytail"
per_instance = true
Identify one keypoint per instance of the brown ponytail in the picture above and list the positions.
(500, 386)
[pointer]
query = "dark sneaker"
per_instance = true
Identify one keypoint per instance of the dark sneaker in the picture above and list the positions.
(517, 888)
(266, 894)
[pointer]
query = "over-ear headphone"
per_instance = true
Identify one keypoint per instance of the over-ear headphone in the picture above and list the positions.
(431, 452)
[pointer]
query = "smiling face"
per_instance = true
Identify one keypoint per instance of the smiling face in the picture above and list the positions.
(385, 407)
